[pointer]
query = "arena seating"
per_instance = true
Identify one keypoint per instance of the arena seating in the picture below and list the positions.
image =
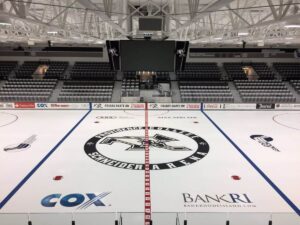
(264, 91)
(162, 77)
(130, 87)
(55, 70)
(130, 74)
(288, 71)
(296, 85)
(86, 91)
(205, 92)
(27, 90)
(92, 71)
(263, 71)
(27, 69)
(199, 71)
(6, 67)
(235, 71)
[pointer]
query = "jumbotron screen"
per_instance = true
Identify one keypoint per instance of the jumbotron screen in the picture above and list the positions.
(145, 55)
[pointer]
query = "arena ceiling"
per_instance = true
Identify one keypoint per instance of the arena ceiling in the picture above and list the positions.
(203, 22)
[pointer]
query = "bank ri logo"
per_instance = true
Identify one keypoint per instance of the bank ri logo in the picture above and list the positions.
(264, 141)
(80, 201)
(124, 148)
(217, 200)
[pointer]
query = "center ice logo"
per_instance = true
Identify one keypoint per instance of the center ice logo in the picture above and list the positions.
(124, 148)
(158, 141)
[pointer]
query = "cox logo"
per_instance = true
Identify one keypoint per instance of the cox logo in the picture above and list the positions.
(42, 105)
(76, 199)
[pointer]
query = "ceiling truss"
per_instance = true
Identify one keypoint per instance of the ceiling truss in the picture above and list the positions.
(199, 21)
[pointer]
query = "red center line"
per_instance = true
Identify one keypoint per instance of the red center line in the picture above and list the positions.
(147, 215)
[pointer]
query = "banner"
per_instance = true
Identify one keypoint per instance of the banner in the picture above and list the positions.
(286, 106)
(243, 106)
(122, 106)
(7, 105)
(62, 105)
(176, 106)
(212, 106)
(265, 106)
(24, 105)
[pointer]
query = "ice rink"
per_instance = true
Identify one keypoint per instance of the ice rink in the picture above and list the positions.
(93, 161)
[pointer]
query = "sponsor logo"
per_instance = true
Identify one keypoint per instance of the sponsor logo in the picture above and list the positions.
(212, 106)
(81, 201)
(265, 106)
(24, 105)
(177, 117)
(118, 106)
(217, 200)
(193, 106)
(42, 105)
(21, 146)
(173, 106)
(4, 105)
(57, 105)
(239, 106)
(287, 106)
(138, 105)
(106, 117)
(124, 148)
(264, 141)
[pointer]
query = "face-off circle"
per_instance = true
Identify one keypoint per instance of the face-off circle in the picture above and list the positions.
(288, 120)
(7, 119)
(124, 148)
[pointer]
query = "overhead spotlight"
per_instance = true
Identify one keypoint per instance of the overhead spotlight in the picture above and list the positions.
(218, 38)
(292, 26)
(243, 33)
(52, 32)
(294, 23)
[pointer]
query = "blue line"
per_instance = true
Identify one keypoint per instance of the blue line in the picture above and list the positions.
(25, 179)
(282, 195)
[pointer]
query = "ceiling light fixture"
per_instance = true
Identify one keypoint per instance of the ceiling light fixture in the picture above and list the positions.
(243, 33)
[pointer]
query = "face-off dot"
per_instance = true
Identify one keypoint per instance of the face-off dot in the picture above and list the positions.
(236, 177)
(57, 178)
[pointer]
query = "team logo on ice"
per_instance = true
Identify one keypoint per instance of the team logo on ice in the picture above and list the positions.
(136, 143)
(124, 148)
(21, 146)
(264, 141)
